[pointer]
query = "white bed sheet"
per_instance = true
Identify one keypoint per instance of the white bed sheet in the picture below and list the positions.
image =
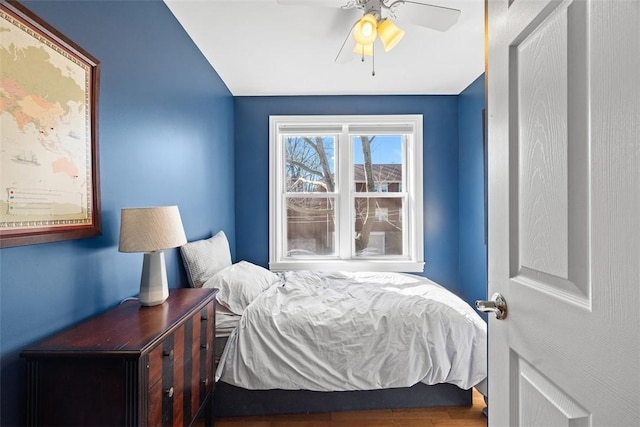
(355, 331)
(226, 321)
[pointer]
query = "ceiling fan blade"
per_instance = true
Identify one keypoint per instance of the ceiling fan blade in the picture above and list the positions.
(426, 15)
(343, 4)
(341, 19)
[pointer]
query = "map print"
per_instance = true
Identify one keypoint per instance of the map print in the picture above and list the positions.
(45, 132)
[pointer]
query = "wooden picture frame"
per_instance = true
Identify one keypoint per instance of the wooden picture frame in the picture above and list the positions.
(49, 178)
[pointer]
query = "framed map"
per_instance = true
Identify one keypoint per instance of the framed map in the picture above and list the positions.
(49, 187)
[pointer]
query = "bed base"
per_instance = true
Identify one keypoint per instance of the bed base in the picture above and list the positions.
(232, 401)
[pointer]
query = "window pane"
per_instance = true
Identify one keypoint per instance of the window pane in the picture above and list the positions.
(377, 163)
(310, 164)
(378, 226)
(310, 226)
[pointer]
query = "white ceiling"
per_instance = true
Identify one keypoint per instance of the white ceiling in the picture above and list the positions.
(264, 48)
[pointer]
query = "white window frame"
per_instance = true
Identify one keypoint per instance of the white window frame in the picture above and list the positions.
(344, 127)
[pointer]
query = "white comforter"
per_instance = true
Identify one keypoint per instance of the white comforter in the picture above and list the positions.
(355, 331)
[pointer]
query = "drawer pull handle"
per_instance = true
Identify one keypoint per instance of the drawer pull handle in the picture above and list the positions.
(205, 381)
(169, 392)
(205, 346)
(168, 354)
(204, 318)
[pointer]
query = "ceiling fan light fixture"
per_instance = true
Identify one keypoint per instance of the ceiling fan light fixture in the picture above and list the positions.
(390, 34)
(363, 49)
(365, 30)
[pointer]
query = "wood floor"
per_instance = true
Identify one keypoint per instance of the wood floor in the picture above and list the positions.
(450, 416)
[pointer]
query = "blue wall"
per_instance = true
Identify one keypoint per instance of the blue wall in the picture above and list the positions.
(166, 137)
(440, 119)
(473, 249)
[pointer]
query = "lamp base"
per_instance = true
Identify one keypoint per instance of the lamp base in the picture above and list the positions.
(154, 289)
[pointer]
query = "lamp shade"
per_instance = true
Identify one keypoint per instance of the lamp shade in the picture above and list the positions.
(389, 34)
(363, 49)
(150, 229)
(365, 31)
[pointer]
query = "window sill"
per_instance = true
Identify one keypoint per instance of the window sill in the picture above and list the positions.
(400, 266)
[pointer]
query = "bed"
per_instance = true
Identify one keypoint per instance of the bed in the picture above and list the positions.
(305, 341)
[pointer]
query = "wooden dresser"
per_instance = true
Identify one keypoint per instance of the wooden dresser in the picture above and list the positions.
(131, 365)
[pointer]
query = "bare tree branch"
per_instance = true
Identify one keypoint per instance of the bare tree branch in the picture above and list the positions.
(369, 213)
(328, 176)
(310, 142)
(304, 166)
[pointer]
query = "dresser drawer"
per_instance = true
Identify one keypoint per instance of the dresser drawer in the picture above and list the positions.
(166, 380)
(154, 364)
(181, 374)
(155, 405)
(166, 404)
(173, 380)
(207, 348)
(199, 370)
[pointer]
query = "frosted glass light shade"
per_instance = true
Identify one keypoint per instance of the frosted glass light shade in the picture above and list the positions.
(365, 30)
(390, 35)
(363, 49)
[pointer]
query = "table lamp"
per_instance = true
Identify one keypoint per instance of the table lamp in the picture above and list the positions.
(151, 230)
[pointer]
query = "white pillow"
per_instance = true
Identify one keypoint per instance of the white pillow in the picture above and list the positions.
(203, 258)
(240, 283)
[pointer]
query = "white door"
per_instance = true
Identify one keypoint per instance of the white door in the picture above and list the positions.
(564, 212)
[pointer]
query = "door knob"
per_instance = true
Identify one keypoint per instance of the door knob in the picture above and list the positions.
(496, 305)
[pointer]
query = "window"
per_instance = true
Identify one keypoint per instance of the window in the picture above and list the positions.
(346, 193)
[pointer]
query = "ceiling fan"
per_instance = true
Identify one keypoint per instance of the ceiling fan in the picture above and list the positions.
(377, 22)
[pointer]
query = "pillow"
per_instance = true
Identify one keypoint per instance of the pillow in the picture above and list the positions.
(203, 258)
(240, 283)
